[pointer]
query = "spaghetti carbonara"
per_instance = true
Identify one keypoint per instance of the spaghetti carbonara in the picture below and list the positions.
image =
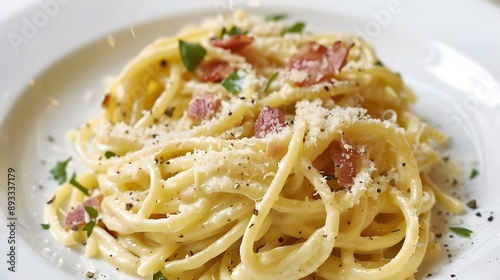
(250, 149)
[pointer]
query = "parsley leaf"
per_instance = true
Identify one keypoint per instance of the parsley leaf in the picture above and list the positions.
(92, 212)
(273, 77)
(464, 232)
(159, 276)
(89, 227)
(233, 31)
(379, 63)
(77, 185)
(296, 28)
(59, 171)
(234, 82)
(276, 17)
(109, 154)
(45, 226)
(473, 173)
(191, 54)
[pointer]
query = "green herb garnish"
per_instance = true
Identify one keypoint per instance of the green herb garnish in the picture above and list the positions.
(159, 276)
(78, 185)
(109, 154)
(233, 31)
(464, 232)
(89, 227)
(473, 173)
(59, 171)
(296, 28)
(92, 212)
(379, 63)
(234, 82)
(276, 17)
(191, 54)
(273, 77)
(45, 226)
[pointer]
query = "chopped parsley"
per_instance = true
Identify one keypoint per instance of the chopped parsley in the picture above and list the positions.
(89, 227)
(78, 185)
(296, 28)
(276, 17)
(59, 171)
(234, 82)
(464, 232)
(45, 226)
(191, 54)
(159, 276)
(233, 31)
(273, 77)
(379, 63)
(92, 212)
(109, 154)
(473, 173)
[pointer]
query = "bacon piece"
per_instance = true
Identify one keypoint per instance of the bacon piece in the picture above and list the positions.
(344, 161)
(105, 101)
(214, 70)
(203, 106)
(233, 42)
(269, 120)
(76, 217)
(314, 63)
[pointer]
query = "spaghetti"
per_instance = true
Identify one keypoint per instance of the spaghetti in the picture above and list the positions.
(251, 150)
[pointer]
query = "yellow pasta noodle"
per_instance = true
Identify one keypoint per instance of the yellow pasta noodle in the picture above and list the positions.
(269, 175)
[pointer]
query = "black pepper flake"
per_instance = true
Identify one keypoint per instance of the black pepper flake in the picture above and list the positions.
(163, 63)
(472, 204)
(280, 240)
(326, 88)
(479, 214)
(170, 111)
(128, 206)
(453, 275)
(51, 200)
(255, 212)
(230, 113)
(74, 228)
(490, 218)
(89, 274)
(403, 164)
(438, 235)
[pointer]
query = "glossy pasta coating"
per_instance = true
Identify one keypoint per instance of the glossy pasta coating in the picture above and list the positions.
(306, 162)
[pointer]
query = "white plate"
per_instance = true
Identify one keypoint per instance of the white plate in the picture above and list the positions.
(53, 61)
